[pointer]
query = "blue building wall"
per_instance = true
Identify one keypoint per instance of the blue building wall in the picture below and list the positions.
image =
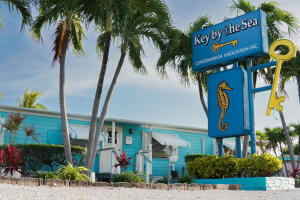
(49, 130)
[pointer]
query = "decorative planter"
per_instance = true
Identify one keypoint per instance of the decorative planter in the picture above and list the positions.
(254, 183)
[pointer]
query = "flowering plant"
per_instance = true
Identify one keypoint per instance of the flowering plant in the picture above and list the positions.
(11, 159)
(123, 162)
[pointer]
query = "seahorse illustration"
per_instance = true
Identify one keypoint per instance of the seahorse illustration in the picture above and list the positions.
(223, 103)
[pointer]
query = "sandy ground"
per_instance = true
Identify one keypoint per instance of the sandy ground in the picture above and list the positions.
(9, 192)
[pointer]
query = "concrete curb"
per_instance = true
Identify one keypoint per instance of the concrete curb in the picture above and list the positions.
(28, 181)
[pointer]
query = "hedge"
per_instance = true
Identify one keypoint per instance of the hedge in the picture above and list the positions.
(211, 166)
(45, 157)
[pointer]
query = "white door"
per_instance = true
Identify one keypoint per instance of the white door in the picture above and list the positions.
(106, 157)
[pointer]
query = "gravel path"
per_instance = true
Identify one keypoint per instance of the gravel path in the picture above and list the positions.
(9, 192)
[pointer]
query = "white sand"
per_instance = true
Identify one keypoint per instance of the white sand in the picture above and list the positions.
(9, 192)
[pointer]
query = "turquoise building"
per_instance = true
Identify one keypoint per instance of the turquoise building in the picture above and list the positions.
(150, 144)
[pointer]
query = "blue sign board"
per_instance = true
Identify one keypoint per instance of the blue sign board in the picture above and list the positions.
(228, 107)
(230, 41)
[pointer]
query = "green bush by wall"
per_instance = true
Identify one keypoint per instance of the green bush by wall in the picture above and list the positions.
(211, 166)
(45, 157)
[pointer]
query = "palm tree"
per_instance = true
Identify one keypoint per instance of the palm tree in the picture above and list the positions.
(276, 138)
(262, 142)
(66, 15)
(297, 133)
(135, 27)
(29, 100)
(178, 54)
(22, 6)
(105, 14)
(275, 18)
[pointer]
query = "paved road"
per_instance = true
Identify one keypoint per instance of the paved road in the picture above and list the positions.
(16, 192)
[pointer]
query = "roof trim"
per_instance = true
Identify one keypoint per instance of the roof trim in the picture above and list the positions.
(47, 113)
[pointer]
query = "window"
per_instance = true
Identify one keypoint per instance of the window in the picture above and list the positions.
(109, 138)
(160, 151)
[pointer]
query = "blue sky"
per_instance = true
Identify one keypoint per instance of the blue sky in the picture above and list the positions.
(24, 63)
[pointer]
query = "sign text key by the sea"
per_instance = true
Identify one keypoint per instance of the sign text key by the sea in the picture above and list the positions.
(230, 40)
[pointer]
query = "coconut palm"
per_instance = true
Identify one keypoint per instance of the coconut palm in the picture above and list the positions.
(178, 55)
(29, 100)
(105, 14)
(65, 14)
(275, 18)
(21, 6)
(135, 27)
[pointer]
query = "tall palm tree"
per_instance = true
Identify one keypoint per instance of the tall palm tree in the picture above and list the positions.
(275, 17)
(66, 15)
(21, 6)
(105, 14)
(178, 54)
(134, 27)
(29, 100)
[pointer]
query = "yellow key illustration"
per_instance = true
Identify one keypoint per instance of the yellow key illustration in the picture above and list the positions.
(215, 47)
(274, 101)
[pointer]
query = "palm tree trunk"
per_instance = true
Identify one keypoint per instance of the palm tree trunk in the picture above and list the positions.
(62, 102)
(106, 104)
(288, 140)
(298, 84)
(201, 94)
(92, 130)
(274, 149)
(286, 171)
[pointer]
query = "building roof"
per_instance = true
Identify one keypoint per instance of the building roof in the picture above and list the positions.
(56, 114)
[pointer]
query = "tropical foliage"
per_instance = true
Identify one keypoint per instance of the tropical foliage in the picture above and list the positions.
(11, 159)
(129, 177)
(131, 30)
(22, 7)
(66, 14)
(69, 172)
(29, 100)
(45, 157)
(122, 162)
(12, 125)
(207, 167)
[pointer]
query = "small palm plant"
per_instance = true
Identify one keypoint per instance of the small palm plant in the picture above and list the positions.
(70, 172)
(29, 100)
(123, 162)
(30, 131)
(12, 125)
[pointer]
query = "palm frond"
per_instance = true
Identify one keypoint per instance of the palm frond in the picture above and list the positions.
(240, 6)
(22, 7)
(62, 35)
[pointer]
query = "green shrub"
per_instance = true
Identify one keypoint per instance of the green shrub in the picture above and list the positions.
(47, 175)
(261, 165)
(70, 173)
(185, 179)
(163, 180)
(45, 157)
(192, 157)
(129, 177)
(208, 167)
